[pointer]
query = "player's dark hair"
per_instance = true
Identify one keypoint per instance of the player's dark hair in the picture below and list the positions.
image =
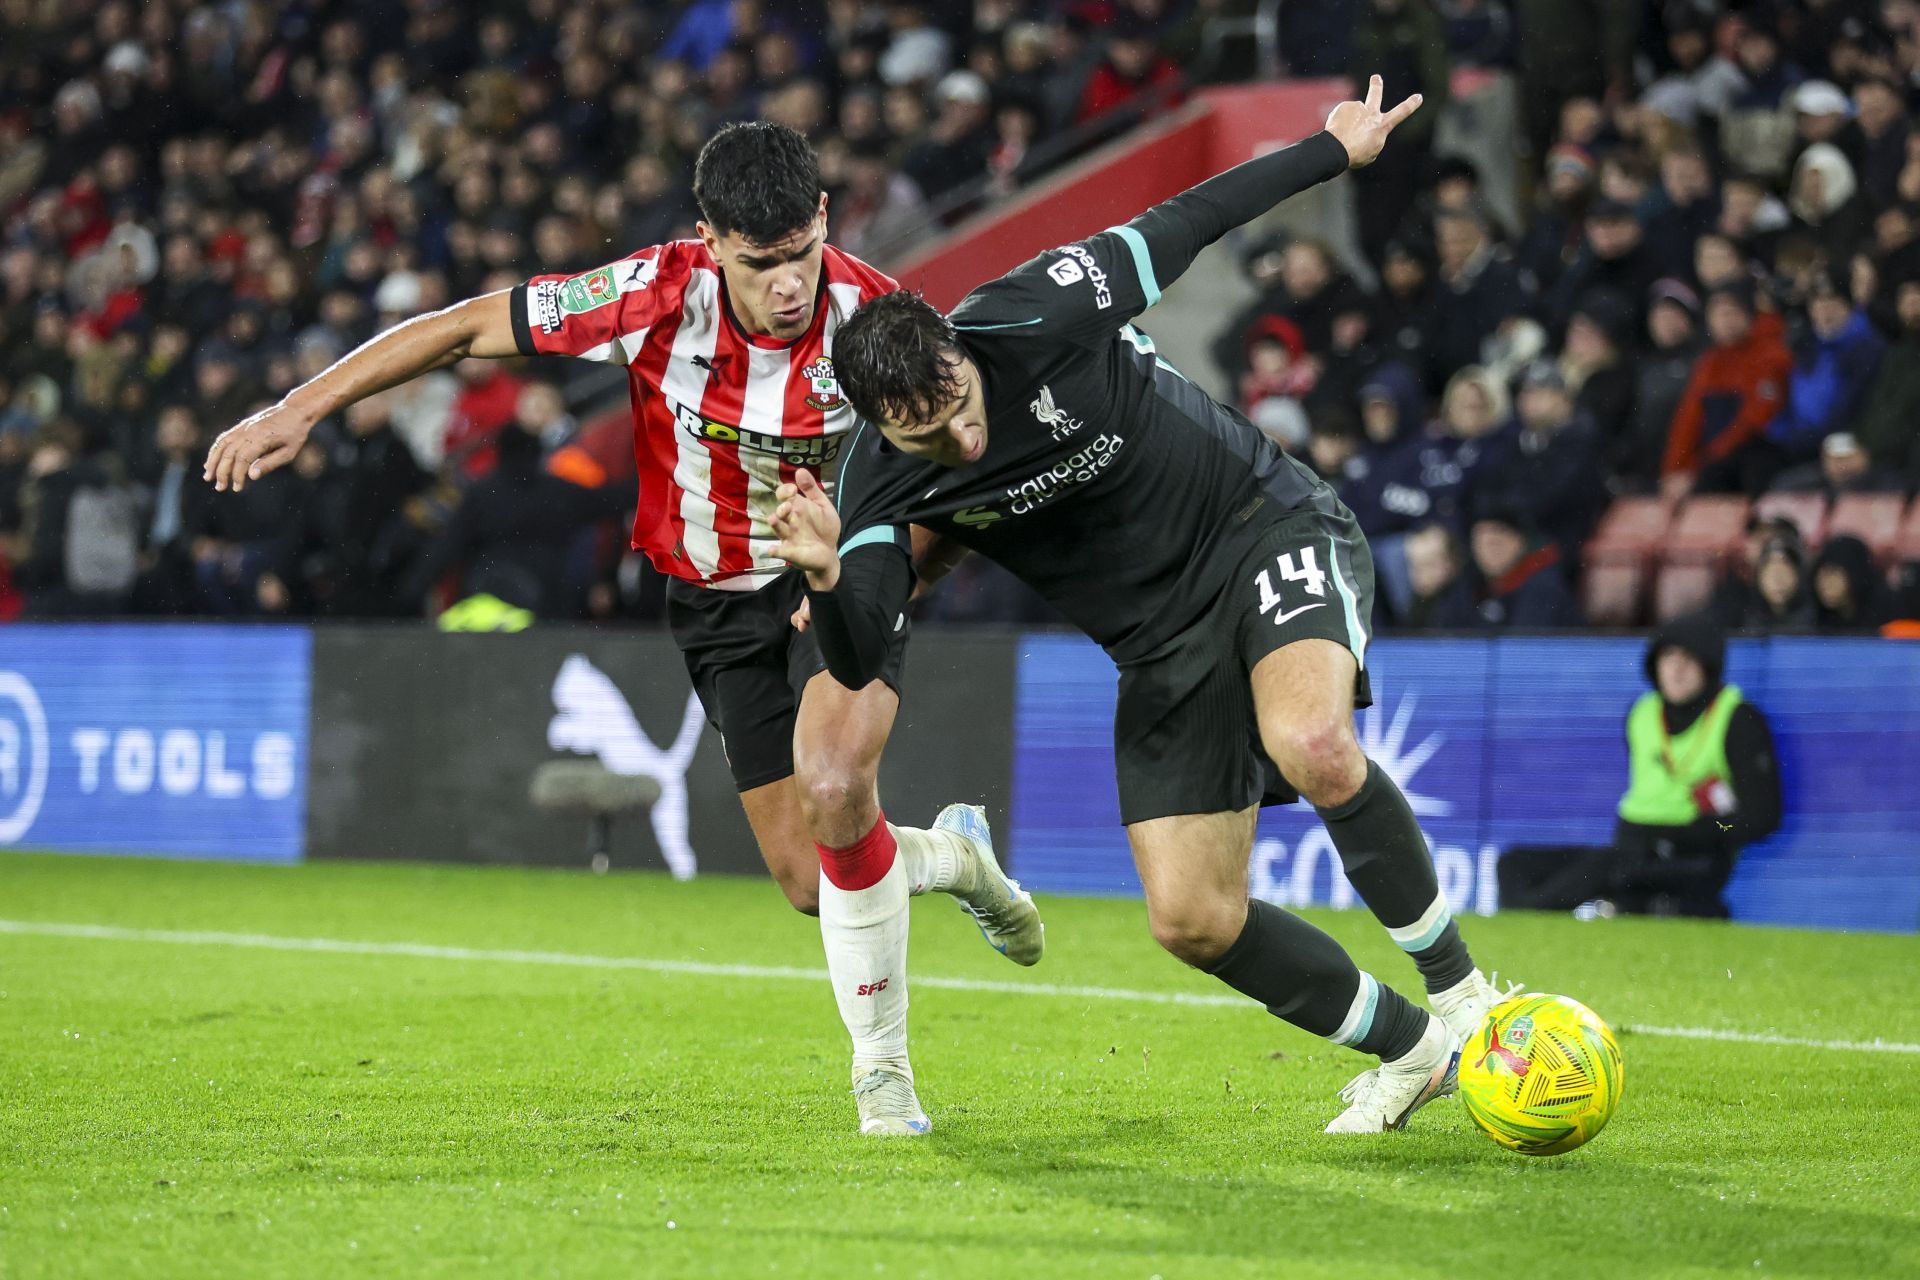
(759, 179)
(894, 359)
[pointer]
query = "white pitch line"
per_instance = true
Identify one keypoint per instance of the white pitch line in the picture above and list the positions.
(567, 959)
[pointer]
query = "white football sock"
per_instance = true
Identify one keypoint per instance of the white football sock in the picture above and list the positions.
(865, 934)
(937, 861)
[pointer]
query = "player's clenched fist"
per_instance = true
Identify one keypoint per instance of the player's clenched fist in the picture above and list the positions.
(264, 442)
(809, 530)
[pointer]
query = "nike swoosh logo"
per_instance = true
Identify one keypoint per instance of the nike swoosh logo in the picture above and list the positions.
(1290, 614)
(929, 493)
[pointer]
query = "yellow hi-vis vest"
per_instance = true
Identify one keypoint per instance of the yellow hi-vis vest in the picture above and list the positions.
(1665, 770)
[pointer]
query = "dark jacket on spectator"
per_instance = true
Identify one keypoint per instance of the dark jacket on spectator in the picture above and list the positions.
(513, 531)
(1532, 595)
(1868, 590)
(1550, 479)
(1660, 380)
(1888, 424)
(1429, 478)
(1461, 314)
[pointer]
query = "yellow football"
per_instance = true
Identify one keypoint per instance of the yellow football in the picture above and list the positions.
(1542, 1075)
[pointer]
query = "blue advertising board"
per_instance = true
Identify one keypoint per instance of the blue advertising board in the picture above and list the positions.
(1504, 742)
(165, 740)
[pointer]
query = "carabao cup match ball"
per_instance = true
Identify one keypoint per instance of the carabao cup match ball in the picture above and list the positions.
(1542, 1075)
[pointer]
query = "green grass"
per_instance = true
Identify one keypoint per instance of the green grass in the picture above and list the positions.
(195, 1110)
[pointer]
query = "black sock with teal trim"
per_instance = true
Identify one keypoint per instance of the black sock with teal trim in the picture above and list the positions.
(1305, 978)
(1387, 862)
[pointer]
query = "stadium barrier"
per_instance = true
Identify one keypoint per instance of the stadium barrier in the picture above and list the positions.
(273, 743)
(269, 743)
(1505, 742)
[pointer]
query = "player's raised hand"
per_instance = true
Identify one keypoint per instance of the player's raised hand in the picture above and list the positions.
(1362, 127)
(265, 442)
(809, 530)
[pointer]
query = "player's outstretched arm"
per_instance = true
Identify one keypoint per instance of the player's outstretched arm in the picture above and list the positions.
(270, 439)
(1174, 232)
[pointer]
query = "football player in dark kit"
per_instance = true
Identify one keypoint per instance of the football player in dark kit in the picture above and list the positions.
(1228, 584)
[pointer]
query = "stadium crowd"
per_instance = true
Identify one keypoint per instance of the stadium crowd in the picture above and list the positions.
(204, 204)
(1718, 288)
(1717, 291)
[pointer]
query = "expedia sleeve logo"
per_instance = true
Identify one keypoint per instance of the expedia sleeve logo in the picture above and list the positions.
(795, 451)
(1078, 265)
(823, 389)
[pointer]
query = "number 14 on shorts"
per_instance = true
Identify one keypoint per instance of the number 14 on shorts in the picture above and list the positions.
(1300, 566)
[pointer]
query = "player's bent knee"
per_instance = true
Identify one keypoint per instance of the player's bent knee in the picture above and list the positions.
(1198, 933)
(832, 789)
(1320, 757)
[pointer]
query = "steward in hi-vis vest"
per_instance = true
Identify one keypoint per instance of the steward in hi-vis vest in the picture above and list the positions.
(1702, 780)
(1701, 785)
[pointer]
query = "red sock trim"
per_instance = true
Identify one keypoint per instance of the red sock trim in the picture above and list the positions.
(861, 864)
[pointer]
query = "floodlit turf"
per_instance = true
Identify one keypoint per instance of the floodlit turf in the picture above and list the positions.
(211, 1110)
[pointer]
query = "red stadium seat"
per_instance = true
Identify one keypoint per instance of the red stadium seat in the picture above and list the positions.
(1874, 518)
(1908, 547)
(1612, 590)
(1681, 588)
(1708, 529)
(1806, 510)
(1630, 531)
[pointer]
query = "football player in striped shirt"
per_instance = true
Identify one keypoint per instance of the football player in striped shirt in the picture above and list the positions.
(728, 345)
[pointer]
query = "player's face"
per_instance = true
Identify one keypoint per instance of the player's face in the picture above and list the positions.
(772, 286)
(956, 435)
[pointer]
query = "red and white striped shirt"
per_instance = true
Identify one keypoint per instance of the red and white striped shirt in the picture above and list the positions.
(720, 416)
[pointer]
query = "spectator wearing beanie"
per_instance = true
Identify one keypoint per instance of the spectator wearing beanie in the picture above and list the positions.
(1660, 373)
(1848, 594)
(1717, 441)
(1596, 362)
(1779, 597)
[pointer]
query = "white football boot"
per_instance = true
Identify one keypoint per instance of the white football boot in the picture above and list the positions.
(889, 1108)
(1466, 1004)
(1383, 1098)
(1004, 911)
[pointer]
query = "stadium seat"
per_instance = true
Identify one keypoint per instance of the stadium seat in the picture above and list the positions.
(1808, 511)
(1908, 547)
(1630, 531)
(1612, 590)
(1874, 518)
(1681, 588)
(1707, 530)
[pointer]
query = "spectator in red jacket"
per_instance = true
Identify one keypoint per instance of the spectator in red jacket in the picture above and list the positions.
(487, 400)
(1132, 68)
(1717, 442)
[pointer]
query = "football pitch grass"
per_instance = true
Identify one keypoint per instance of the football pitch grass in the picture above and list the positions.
(424, 1071)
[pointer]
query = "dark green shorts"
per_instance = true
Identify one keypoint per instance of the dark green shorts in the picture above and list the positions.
(1185, 735)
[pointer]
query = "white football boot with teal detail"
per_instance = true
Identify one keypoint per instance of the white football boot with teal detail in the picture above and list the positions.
(1005, 912)
(1385, 1097)
(1466, 1004)
(889, 1108)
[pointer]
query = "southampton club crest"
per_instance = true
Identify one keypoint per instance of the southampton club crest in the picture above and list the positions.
(823, 389)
